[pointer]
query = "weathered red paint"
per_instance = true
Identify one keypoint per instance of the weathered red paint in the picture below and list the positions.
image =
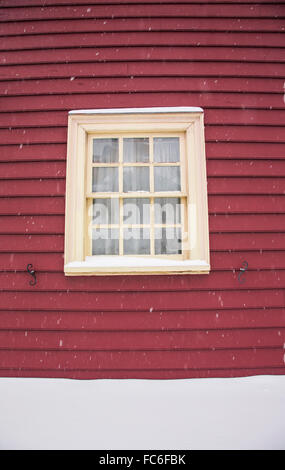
(225, 57)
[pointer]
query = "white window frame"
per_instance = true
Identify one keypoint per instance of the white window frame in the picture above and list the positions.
(81, 123)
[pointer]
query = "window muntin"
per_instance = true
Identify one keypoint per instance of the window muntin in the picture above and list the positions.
(136, 196)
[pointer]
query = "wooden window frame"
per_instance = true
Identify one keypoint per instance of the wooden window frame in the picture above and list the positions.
(82, 125)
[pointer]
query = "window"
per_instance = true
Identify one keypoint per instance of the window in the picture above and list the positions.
(136, 198)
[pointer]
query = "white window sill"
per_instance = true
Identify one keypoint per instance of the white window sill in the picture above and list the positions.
(99, 265)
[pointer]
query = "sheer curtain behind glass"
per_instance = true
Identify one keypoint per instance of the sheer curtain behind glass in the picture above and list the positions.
(130, 170)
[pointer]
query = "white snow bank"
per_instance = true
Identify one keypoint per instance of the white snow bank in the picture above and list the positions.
(241, 413)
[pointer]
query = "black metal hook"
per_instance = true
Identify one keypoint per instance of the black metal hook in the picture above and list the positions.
(32, 272)
(242, 270)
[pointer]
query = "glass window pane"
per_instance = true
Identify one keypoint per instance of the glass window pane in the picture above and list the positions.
(167, 210)
(136, 149)
(105, 179)
(136, 241)
(136, 211)
(105, 241)
(136, 178)
(106, 211)
(105, 150)
(167, 178)
(166, 149)
(168, 241)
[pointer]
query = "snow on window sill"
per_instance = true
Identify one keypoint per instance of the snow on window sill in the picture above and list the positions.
(100, 265)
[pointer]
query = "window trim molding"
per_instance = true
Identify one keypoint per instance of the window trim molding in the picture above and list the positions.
(182, 119)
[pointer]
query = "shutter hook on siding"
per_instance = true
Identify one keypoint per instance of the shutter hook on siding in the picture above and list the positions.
(32, 272)
(242, 270)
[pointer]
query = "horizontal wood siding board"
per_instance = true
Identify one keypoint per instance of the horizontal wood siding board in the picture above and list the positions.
(238, 318)
(248, 241)
(141, 10)
(186, 53)
(245, 204)
(223, 280)
(176, 36)
(143, 320)
(142, 341)
(140, 360)
(141, 68)
(34, 3)
(239, 25)
(154, 98)
(120, 84)
(136, 300)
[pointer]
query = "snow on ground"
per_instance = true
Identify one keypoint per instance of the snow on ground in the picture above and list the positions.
(240, 413)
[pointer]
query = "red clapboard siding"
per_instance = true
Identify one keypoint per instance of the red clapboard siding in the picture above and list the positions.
(30, 205)
(32, 169)
(137, 300)
(246, 185)
(33, 136)
(34, 243)
(141, 10)
(244, 204)
(27, 27)
(274, 25)
(23, 152)
(223, 54)
(244, 150)
(245, 167)
(18, 3)
(140, 360)
(179, 37)
(32, 224)
(142, 68)
(226, 57)
(11, 281)
(107, 85)
(141, 341)
(149, 98)
(49, 187)
(175, 320)
(248, 241)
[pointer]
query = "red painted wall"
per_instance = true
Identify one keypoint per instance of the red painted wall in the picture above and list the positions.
(227, 57)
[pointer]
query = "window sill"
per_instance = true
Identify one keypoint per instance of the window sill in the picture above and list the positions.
(114, 265)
